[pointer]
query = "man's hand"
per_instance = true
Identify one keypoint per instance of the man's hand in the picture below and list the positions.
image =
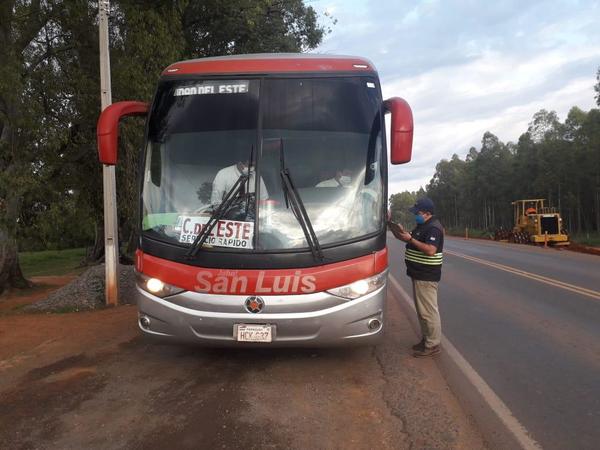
(399, 232)
(404, 236)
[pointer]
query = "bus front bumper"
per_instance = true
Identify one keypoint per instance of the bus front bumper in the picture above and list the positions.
(308, 320)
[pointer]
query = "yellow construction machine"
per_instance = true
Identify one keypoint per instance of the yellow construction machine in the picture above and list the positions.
(536, 224)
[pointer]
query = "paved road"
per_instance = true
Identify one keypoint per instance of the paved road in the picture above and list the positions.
(528, 320)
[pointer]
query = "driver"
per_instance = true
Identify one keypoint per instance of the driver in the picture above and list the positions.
(226, 178)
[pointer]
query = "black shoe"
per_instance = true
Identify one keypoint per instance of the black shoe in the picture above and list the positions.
(420, 345)
(427, 351)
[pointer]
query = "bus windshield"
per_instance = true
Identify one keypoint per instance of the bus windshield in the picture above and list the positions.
(205, 135)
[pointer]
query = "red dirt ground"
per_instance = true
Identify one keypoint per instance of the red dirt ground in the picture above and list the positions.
(39, 337)
(11, 301)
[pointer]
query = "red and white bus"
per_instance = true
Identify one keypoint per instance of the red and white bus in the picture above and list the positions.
(263, 199)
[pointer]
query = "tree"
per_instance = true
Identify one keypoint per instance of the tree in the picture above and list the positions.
(25, 30)
(49, 99)
(597, 87)
(544, 125)
(556, 161)
(445, 189)
(399, 204)
(587, 171)
(215, 27)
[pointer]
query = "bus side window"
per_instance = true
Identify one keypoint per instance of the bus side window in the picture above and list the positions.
(155, 164)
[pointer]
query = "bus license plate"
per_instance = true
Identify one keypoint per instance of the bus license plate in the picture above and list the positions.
(253, 333)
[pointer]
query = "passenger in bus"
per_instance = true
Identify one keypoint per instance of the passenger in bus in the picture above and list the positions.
(226, 178)
(342, 178)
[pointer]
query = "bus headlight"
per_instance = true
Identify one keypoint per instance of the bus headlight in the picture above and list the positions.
(156, 286)
(360, 287)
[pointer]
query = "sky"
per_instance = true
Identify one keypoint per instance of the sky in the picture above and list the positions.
(468, 67)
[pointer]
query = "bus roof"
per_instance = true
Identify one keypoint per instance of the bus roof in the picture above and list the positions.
(271, 63)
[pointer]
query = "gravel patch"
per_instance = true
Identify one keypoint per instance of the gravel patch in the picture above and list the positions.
(86, 292)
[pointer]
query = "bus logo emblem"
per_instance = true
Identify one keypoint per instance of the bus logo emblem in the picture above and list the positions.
(254, 304)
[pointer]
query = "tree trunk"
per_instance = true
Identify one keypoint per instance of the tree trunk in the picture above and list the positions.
(456, 225)
(485, 214)
(571, 220)
(10, 269)
(132, 244)
(597, 206)
(11, 275)
(598, 210)
(95, 253)
(578, 209)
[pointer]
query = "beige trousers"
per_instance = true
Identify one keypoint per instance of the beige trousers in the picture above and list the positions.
(425, 296)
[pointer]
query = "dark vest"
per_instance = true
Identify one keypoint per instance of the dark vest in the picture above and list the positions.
(419, 266)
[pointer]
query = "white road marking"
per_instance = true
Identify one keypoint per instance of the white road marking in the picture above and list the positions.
(519, 432)
(533, 276)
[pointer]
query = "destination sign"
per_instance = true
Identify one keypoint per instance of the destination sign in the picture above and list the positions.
(226, 233)
(214, 87)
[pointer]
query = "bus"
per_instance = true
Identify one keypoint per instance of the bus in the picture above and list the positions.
(263, 199)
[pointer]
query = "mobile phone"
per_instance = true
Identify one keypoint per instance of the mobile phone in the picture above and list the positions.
(395, 226)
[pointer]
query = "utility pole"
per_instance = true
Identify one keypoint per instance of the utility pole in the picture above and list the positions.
(111, 231)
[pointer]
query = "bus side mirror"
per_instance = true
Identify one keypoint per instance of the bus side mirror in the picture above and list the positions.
(107, 129)
(401, 129)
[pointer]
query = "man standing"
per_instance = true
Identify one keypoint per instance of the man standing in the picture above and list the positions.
(423, 258)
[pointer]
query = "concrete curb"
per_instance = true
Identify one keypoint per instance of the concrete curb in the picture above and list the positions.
(498, 425)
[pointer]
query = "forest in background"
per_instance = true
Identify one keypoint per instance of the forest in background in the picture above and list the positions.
(554, 160)
(50, 177)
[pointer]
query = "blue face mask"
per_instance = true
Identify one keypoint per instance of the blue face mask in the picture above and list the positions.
(419, 219)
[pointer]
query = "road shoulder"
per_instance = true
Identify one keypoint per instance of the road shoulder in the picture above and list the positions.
(86, 379)
(418, 392)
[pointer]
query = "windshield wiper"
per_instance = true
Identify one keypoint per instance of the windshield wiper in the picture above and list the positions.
(242, 182)
(292, 197)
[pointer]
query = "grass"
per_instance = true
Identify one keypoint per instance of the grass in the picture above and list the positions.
(51, 262)
(473, 233)
(589, 239)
